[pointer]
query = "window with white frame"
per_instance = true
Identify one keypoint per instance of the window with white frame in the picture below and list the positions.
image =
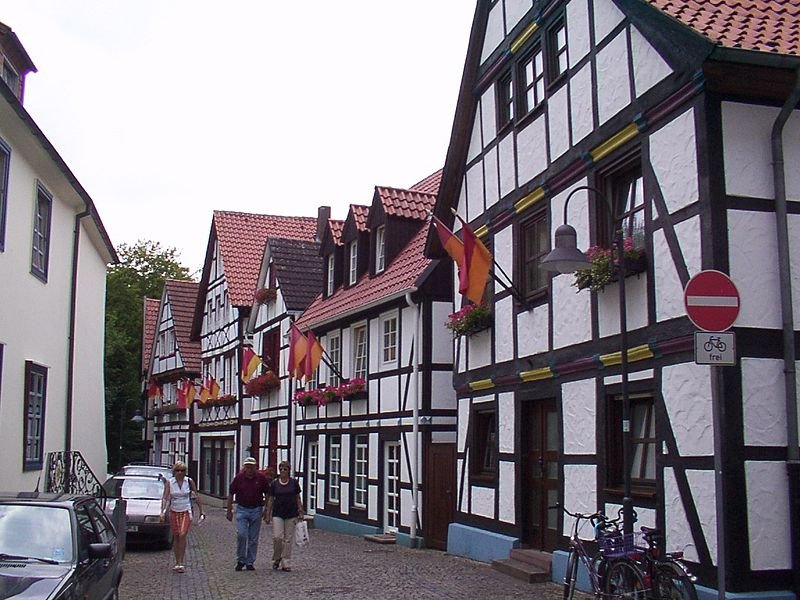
(334, 469)
(40, 253)
(359, 338)
(389, 340)
(329, 289)
(335, 358)
(313, 473)
(352, 250)
(361, 470)
(35, 397)
(380, 249)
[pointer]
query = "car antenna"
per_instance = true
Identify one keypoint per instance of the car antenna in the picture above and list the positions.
(34, 493)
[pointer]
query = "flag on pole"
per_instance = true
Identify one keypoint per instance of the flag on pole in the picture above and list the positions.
(186, 393)
(449, 241)
(298, 346)
(250, 362)
(209, 391)
(475, 266)
(313, 356)
(153, 390)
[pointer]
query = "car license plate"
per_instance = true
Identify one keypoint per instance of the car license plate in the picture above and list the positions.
(132, 528)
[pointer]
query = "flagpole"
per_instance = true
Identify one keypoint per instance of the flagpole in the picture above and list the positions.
(292, 426)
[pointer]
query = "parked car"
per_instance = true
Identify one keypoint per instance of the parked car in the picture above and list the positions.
(146, 469)
(57, 547)
(142, 494)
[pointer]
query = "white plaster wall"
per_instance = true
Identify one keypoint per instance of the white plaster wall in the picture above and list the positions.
(768, 515)
(669, 291)
(558, 122)
(483, 501)
(572, 324)
(687, 394)
(480, 349)
(463, 423)
(648, 66)
(488, 116)
(606, 17)
(644, 516)
(504, 329)
(390, 402)
(461, 353)
(532, 328)
(474, 191)
(753, 252)
(673, 154)
(579, 407)
(491, 176)
(701, 484)
(580, 495)
(531, 151)
(635, 305)
(506, 496)
(578, 39)
(442, 341)
(442, 393)
(613, 82)
(372, 502)
(504, 254)
(678, 532)
(515, 10)
(764, 401)
(506, 417)
(494, 31)
(581, 100)
(475, 143)
(406, 500)
(507, 158)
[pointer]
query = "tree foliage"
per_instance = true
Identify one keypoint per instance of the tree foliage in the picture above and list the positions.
(140, 274)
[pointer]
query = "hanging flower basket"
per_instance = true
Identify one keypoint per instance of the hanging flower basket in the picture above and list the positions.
(470, 319)
(263, 384)
(266, 294)
(604, 266)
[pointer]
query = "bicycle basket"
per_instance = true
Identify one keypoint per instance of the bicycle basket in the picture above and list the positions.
(618, 544)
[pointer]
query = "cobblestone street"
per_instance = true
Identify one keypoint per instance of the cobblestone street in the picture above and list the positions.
(331, 566)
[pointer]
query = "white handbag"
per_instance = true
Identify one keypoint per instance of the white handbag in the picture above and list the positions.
(301, 533)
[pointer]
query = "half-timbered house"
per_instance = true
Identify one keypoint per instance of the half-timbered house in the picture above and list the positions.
(381, 460)
(150, 310)
(676, 121)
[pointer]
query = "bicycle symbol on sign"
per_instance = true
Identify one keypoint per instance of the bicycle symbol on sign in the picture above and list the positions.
(715, 343)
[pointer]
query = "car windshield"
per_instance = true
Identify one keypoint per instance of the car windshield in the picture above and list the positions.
(143, 489)
(36, 532)
(147, 470)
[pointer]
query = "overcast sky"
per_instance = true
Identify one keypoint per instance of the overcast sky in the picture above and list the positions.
(166, 110)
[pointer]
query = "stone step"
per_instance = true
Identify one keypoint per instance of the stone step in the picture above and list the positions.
(380, 538)
(537, 558)
(521, 570)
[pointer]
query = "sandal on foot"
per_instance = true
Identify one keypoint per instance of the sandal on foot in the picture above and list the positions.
(180, 569)
(286, 568)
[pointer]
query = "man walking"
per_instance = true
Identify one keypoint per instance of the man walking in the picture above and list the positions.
(249, 487)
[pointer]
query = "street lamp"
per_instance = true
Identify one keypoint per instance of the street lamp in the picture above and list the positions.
(566, 258)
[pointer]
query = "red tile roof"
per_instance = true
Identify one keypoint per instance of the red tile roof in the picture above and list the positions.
(360, 215)
(406, 203)
(429, 185)
(403, 273)
(762, 25)
(182, 298)
(241, 241)
(336, 231)
(149, 326)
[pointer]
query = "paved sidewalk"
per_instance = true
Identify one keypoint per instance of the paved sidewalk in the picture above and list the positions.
(331, 566)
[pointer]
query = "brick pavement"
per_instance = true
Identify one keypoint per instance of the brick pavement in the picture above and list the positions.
(331, 566)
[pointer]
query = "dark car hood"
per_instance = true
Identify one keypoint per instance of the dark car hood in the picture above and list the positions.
(20, 580)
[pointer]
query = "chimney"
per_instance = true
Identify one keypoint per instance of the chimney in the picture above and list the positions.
(323, 216)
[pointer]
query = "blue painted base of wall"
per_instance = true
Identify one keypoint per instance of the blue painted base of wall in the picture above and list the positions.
(559, 565)
(359, 529)
(478, 544)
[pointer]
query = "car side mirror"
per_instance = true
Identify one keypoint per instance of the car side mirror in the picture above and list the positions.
(99, 550)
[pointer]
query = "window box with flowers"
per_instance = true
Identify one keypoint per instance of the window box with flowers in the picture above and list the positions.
(604, 266)
(470, 319)
(168, 409)
(354, 389)
(316, 397)
(226, 400)
(263, 384)
(266, 294)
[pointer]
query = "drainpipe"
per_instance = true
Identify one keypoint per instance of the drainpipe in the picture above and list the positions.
(73, 300)
(790, 375)
(415, 459)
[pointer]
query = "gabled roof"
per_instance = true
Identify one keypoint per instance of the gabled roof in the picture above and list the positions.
(360, 215)
(182, 298)
(408, 270)
(149, 326)
(298, 268)
(429, 185)
(405, 203)
(241, 242)
(761, 25)
(336, 228)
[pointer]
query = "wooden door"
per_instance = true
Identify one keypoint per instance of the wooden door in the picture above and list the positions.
(439, 493)
(541, 441)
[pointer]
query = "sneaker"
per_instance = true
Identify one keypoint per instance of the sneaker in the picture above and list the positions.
(239, 566)
(250, 567)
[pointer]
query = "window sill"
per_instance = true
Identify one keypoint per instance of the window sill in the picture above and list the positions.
(646, 493)
(483, 480)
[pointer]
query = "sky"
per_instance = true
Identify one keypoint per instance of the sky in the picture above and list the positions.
(166, 110)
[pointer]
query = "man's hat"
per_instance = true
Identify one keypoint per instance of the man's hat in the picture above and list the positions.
(250, 461)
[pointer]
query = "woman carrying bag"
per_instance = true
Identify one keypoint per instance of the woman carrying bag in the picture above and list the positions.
(284, 509)
(179, 491)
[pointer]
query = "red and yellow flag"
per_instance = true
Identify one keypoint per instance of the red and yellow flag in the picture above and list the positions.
(153, 390)
(209, 391)
(449, 241)
(475, 267)
(313, 356)
(250, 362)
(298, 346)
(186, 393)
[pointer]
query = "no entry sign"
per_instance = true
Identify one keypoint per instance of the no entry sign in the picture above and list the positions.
(711, 300)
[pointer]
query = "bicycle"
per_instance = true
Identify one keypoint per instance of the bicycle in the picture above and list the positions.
(610, 576)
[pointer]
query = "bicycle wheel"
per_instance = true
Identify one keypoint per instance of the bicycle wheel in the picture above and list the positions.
(570, 574)
(672, 583)
(623, 580)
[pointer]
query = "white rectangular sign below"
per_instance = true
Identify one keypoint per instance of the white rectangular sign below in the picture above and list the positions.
(715, 348)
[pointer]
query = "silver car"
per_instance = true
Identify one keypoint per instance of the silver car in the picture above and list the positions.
(142, 494)
(146, 469)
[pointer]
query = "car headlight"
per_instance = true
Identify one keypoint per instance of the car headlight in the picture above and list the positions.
(152, 519)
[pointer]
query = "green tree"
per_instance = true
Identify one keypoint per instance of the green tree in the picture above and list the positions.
(140, 274)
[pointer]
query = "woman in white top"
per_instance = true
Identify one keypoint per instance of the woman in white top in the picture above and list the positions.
(178, 495)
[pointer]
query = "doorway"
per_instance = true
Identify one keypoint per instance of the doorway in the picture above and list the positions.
(541, 440)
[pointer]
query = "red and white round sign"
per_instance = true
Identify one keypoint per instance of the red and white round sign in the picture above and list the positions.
(711, 300)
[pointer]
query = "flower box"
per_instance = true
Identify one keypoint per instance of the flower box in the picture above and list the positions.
(266, 294)
(226, 400)
(604, 268)
(354, 389)
(168, 409)
(263, 384)
(330, 393)
(470, 319)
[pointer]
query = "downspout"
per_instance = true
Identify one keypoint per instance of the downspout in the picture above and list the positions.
(415, 459)
(73, 301)
(790, 375)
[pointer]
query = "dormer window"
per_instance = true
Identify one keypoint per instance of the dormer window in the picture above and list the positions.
(11, 78)
(353, 253)
(380, 249)
(329, 282)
